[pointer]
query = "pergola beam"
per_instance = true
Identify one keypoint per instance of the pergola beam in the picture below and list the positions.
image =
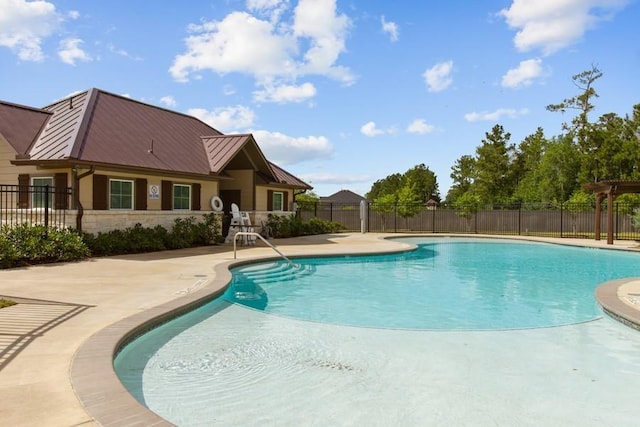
(610, 189)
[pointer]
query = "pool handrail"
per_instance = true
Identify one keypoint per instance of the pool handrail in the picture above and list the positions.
(254, 234)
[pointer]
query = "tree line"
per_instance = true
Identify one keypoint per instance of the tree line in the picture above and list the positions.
(539, 169)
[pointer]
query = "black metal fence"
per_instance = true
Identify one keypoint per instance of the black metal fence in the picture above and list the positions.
(29, 204)
(564, 220)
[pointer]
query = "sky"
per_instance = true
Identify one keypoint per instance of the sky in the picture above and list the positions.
(339, 93)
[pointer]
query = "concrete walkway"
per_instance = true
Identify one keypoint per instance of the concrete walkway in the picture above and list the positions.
(62, 306)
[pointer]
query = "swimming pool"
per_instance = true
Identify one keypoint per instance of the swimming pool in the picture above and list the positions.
(450, 283)
(230, 364)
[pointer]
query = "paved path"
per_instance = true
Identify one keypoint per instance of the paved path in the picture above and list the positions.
(61, 306)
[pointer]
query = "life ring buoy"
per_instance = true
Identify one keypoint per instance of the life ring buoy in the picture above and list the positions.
(216, 204)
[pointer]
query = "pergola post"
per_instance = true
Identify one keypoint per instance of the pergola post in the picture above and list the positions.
(598, 218)
(611, 188)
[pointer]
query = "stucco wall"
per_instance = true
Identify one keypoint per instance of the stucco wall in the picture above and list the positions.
(207, 191)
(8, 172)
(262, 197)
(243, 180)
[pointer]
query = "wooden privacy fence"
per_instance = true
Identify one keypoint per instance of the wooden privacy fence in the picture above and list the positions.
(564, 220)
(30, 204)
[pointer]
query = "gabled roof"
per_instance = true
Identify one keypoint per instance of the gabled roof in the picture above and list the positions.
(234, 152)
(95, 127)
(20, 125)
(343, 196)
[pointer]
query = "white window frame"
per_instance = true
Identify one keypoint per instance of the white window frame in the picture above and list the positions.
(173, 198)
(37, 194)
(133, 190)
(281, 202)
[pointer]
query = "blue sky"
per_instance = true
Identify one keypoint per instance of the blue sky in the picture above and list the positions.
(339, 93)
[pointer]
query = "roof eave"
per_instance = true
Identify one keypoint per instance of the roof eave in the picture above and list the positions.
(71, 163)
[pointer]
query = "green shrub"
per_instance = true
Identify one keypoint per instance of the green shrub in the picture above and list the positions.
(185, 233)
(290, 226)
(36, 244)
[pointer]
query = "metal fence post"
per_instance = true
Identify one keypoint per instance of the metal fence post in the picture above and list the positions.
(47, 191)
(395, 217)
(475, 219)
(519, 219)
(433, 220)
(617, 220)
(561, 217)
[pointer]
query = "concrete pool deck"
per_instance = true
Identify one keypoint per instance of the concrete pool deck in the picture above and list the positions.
(55, 342)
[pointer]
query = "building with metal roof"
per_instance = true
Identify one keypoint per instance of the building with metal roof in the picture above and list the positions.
(125, 159)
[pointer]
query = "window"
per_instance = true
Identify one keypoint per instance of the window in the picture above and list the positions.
(181, 196)
(38, 196)
(120, 194)
(278, 199)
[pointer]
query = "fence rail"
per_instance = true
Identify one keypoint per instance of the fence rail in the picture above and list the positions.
(48, 205)
(30, 204)
(564, 220)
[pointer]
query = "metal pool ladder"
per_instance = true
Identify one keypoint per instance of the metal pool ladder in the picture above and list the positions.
(251, 233)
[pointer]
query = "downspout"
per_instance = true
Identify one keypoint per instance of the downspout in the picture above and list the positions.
(76, 195)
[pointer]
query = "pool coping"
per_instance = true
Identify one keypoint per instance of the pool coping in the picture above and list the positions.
(92, 374)
(609, 296)
(102, 395)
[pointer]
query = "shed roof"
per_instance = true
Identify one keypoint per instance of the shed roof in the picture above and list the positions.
(284, 177)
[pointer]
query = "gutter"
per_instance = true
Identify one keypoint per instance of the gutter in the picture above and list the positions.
(76, 194)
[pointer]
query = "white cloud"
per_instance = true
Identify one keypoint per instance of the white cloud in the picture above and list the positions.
(272, 8)
(238, 43)
(69, 51)
(495, 115)
(326, 31)
(284, 150)
(330, 178)
(285, 93)
(524, 75)
(225, 119)
(169, 101)
(391, 28)
(74, 14)
(370, 129)
(269, 50)
(25, 24)
(553, 25)
(419, 126)
(122, 52)
(438, 77)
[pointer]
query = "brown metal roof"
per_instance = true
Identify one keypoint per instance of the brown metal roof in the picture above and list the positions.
(116, 130)
(284, 177)
(98, 127)
(58, 137)
(234, 152)
(20, 124)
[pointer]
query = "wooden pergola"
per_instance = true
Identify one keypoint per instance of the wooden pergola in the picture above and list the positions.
(610, 189)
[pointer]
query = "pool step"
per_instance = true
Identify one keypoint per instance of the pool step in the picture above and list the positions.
(275, 273)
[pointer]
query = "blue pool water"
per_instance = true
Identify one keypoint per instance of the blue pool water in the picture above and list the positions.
(447, 283)
(455, 335)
